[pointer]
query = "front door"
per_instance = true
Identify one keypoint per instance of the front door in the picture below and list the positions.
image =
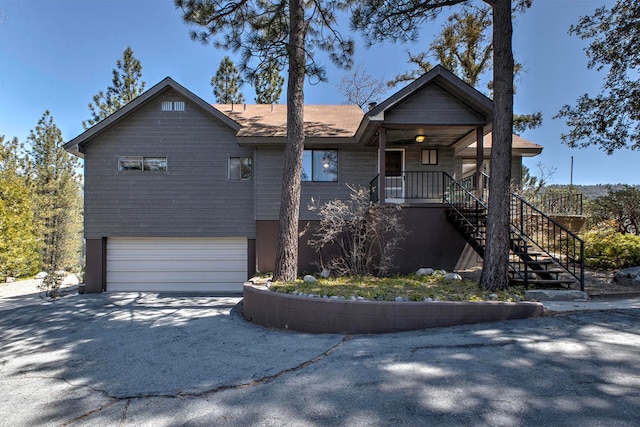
(394, 177)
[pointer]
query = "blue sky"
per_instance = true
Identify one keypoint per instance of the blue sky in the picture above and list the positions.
(56, 54)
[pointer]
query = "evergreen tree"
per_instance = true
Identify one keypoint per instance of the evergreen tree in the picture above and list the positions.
(126, 86)
(400, 20)
(611, 119)
(18, 245)
(57, 197)
(227, 83)
(268, 84)
(287, 32)
(465, 47)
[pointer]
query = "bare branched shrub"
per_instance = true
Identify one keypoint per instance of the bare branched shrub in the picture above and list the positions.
(366, 236)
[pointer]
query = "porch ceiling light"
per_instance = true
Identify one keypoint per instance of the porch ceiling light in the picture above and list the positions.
(420, 138)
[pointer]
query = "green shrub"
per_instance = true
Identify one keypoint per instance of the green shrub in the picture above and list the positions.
(606, 249)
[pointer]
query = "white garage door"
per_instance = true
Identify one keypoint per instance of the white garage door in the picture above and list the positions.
(176, 264)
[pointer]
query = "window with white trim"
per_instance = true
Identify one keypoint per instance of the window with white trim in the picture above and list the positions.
(240, 168)
(142, 164)
(320, 165)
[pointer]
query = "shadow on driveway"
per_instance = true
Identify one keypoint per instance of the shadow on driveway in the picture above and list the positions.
(145, 359)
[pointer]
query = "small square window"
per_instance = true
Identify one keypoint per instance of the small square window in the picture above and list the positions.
(240, 168)
(129, 163)
(167, 105)
(178, 106)
(429, 157)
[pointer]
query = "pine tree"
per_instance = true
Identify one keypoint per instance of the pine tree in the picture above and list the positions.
(286, 32)
(268, 84)
(126, 86)
(18, 245)
(227, 83)
(57, 196)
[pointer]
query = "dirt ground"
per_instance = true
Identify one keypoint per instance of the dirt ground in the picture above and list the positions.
(597, 283)
(28, 287)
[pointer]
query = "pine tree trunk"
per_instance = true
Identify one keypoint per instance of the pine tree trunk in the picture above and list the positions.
(496, 260)
(286, 268)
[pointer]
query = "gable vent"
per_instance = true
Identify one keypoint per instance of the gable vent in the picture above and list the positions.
(178, 106)
(167, 105)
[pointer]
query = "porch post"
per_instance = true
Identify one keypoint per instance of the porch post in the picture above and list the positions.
(382, 146)
(479, 161)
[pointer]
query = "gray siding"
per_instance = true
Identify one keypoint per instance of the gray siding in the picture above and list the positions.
(432, 105)
(193, 198)
(356, 166)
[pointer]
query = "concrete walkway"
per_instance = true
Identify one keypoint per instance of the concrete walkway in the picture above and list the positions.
(163, 360)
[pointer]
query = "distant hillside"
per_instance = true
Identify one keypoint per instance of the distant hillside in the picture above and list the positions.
(590, 192)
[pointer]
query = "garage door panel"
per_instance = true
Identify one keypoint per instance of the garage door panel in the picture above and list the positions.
(176, 264)
(182, 265)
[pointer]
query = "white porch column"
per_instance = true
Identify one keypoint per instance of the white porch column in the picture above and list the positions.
(479, 161)
(382, 146)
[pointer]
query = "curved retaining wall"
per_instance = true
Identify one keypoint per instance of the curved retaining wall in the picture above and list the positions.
(317, 315)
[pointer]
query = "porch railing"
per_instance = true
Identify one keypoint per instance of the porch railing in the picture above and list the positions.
(560, 203)
(410, 185)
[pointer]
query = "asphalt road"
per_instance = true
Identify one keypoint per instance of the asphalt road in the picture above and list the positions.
(162, 360)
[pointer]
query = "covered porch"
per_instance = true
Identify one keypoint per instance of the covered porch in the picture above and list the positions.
(423, 135)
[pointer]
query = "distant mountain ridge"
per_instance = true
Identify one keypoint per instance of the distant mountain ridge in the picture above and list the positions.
(590, 192)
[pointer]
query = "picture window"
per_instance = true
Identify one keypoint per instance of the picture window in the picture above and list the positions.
(320, 165)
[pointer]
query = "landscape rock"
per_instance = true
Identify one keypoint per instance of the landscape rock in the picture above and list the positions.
(41, 275)
(10, 279)
(309, 279)
(325, 273)
(424, 271)
(453, 276)
(628, 277)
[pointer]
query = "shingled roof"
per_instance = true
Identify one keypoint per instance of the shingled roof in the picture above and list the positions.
(320, 121)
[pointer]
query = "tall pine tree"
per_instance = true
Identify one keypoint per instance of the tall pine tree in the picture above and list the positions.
(126, 85)
(57, 197)
(288, 32)
(227, 83)
(19, 254)
(268, 84)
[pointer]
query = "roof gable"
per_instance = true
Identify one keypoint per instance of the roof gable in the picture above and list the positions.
(449, 83)
(77, 144)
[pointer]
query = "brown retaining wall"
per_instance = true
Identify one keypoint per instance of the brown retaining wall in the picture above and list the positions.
(317, 315)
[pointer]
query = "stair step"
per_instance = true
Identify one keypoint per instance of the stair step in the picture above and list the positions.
(543, 281)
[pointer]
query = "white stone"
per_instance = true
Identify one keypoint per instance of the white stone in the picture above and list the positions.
(428, 299)
(453, 276)
(309, 279)
(71, 280)
(41, 275)
(325, 273)
(10, 279)
(398, 299)
(333, 297)
(493, 296)
(424, 271)
(353, 298)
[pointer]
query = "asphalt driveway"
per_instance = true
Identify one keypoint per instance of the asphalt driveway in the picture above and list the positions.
(164, 360)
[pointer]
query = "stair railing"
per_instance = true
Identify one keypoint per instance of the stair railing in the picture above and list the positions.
(559, 243)
(468, 207)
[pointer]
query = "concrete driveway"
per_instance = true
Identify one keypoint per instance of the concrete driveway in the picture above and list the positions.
(164, 360)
